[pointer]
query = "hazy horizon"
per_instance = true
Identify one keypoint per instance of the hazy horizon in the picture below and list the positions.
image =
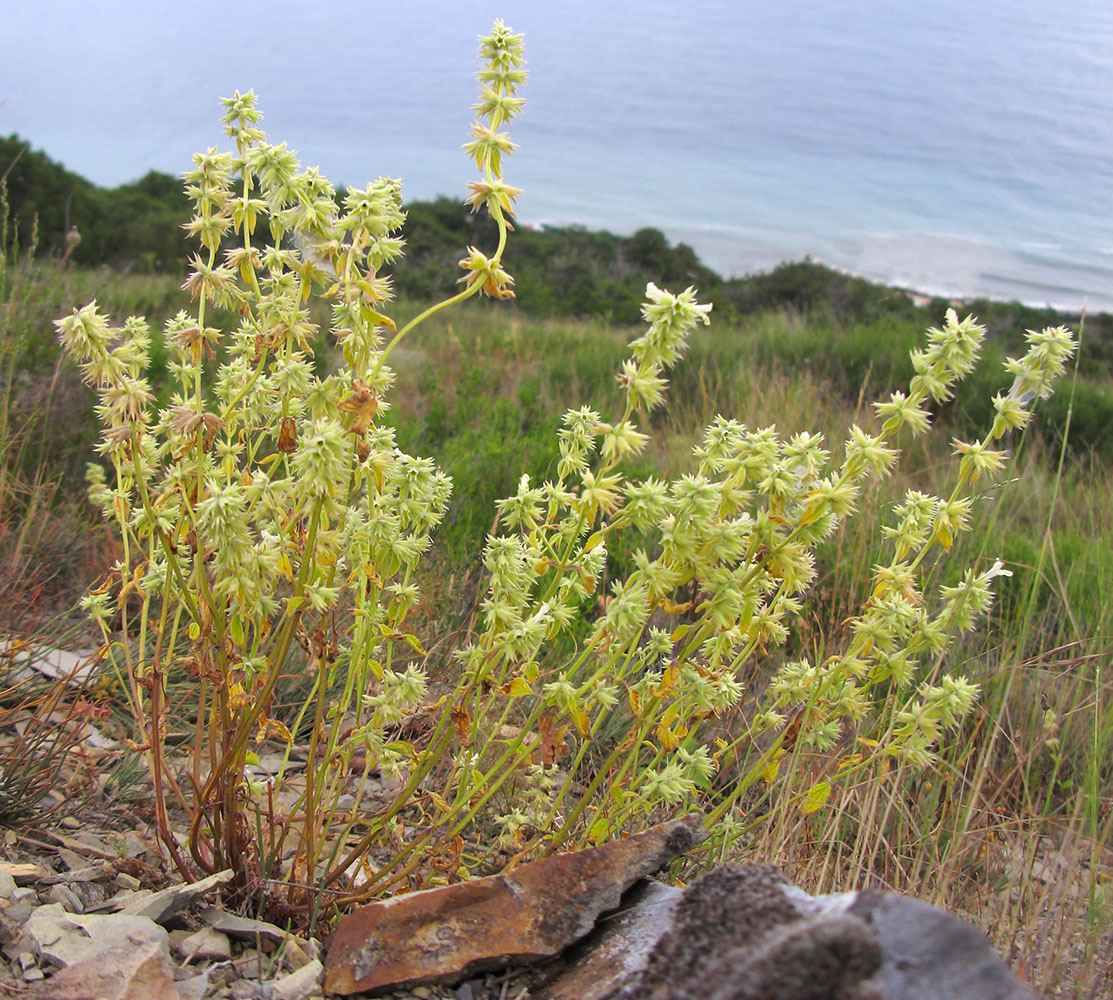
(954, 147)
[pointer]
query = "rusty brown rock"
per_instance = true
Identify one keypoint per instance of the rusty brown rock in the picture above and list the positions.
(443, 935)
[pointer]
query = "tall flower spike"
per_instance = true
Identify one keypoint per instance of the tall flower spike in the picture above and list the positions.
(499, 80)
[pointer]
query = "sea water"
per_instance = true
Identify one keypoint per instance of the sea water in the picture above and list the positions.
(959, 147)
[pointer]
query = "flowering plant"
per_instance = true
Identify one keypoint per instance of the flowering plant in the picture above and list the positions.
(271, 527)
(741, 532)
(265, 503)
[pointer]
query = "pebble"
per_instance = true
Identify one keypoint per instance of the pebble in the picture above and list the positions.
(66, 896)
(21, 905)
(252, 964)
(31, 971)
(125, 881)
(192, 987)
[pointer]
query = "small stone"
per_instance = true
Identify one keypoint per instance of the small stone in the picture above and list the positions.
(300, 952)
(24, 874)
(21, 904)
(193, 987)
(84, 873)
(71, 822)
(125, 881)
(205, 945)
(117, 901)
(242, 927)
(65, 897)
(71, 859)
(7, 885)
(9, 929)
(252, 964)
(82, 840)
(177, 936)
(299, 985)
(29, 968)
(134, 846)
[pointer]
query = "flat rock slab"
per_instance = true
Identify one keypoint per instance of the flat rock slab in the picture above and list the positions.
(930, 954)
(27, 874)
(162, 906)
(137, 971)
(62, 938)
(536, 911)
(244, 928)
(76, 668)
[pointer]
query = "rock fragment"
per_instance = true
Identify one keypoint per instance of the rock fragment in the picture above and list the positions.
(748, 934)
(163, 905)
(244, 928)
(23, 874)
(619, 948)
(736, 934)
(299, 985)
(62, 939)
(931, 954)
(537, 910)
(138, 971)
(205, 945)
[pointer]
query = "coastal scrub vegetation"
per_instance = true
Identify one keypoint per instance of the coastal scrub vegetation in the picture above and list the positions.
(642, 597)
(849, 329)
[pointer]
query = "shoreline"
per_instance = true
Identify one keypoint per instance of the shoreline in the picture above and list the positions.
(925, 265)
(922, 296)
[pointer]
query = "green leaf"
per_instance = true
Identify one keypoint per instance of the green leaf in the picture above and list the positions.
(600, 827)
(592, 542)
(816, 797)
(402, 747)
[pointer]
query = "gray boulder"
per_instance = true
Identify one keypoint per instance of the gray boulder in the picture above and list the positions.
(746, 933)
